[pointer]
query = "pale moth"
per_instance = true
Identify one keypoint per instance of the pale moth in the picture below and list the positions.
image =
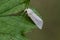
(35, 18)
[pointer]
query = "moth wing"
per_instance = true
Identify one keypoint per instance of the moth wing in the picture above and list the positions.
(36, 19)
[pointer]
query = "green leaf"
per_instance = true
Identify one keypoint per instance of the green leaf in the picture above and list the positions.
(14, 10)
(12, 5)
(14, 22)
(12, 37)
(15, 25)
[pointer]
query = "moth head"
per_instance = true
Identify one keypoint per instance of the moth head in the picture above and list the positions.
(28, 10)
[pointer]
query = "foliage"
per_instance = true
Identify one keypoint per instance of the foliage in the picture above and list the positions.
(13, 20)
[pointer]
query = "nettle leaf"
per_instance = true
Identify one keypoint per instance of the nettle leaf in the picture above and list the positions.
(12, 37)
(14, 22)
(14, 25)
(11, 6)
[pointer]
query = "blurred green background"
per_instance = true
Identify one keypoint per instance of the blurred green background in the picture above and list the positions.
(50, 12)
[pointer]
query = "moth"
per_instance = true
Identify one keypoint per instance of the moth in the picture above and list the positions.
(35, 18)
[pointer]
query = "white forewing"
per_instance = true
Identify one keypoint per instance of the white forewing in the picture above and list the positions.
(35, 18)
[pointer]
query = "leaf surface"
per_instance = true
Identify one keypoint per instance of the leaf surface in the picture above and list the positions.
(14, 22)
